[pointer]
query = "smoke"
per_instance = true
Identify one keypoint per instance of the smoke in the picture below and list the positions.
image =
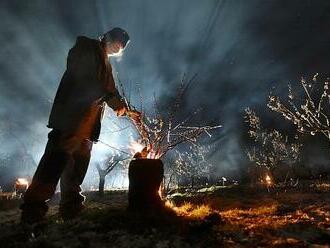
(239, 51)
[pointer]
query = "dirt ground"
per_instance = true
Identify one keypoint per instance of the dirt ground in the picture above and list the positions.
(237, 216)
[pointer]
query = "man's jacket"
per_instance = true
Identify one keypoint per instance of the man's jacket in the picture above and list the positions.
(85, 86)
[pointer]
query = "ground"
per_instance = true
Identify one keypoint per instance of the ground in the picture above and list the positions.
(236, 216)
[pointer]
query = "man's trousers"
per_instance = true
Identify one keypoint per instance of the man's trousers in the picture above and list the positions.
(66, 157)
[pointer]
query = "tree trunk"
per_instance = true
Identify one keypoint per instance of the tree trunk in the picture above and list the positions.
(101, 185)
(169, 182)
(145, 177)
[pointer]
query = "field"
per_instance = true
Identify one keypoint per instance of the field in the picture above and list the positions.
(237, 216)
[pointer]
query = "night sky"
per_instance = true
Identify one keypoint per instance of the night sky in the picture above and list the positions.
(240, 50)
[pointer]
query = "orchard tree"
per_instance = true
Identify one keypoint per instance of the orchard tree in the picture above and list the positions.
(310, 111)
(192, 164)
(270, 148)
(105, 167)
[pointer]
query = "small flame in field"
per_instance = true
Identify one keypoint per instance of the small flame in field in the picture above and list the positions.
(268, 180)
(22, 181)
(190, 210)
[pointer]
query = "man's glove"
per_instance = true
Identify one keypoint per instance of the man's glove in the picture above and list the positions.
(121, 111)
(133, 115)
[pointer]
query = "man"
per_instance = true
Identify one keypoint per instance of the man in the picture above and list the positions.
(75, 119)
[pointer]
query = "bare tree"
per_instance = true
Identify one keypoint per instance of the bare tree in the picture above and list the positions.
(270, 148)
(311, 113)
(18, 161)
(105, 169)
(192, 164)
(170, 174)
(163, 132)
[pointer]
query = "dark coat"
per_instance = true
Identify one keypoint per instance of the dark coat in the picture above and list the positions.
(85, 86)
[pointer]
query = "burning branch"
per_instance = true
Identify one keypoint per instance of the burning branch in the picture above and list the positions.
(161, 133)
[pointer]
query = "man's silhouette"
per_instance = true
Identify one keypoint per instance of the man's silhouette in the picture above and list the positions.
(86, 86)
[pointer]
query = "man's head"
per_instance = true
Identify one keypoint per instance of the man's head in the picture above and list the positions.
(115, 41)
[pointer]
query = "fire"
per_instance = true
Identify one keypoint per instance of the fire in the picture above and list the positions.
(22, 181)
(21, 186)
(141, 151)
(190, 210)
(268, 180)
(135, 147)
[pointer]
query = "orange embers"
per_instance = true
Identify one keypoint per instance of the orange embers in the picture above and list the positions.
(190, 210)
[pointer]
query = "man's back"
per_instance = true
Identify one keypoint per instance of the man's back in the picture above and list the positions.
(81, 85)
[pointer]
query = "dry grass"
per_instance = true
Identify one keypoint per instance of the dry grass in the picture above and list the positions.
(232, 217)
(190, 210)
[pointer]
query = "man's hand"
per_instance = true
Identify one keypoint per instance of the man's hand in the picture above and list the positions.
(121, 111)
(134, 115)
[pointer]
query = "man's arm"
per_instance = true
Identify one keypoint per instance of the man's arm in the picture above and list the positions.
(112, 97)
(116, 102)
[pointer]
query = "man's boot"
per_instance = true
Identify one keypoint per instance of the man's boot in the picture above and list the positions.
(71, 207)
(33, 222)
(33, 213)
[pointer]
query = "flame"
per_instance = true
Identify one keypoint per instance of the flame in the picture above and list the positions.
(190, 210)
(22, 181)
(152, 155)
(135, 147)
(268, 180)
(147, 152)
